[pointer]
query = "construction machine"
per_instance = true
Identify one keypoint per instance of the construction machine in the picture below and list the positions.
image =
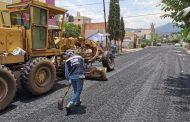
(30, 46)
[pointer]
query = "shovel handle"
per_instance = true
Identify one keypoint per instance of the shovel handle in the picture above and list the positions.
(69, 86)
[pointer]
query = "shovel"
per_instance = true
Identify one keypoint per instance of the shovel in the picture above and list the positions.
(61, 100)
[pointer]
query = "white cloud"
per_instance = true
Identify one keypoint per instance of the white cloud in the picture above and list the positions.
(147, 3)
(144, 22)
(129, 8)
(79, 1)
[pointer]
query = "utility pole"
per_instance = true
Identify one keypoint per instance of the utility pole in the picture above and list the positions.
(105, 22)
(152, 33)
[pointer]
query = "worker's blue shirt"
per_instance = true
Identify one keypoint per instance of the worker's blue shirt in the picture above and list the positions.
(74, 68)
(114, 49)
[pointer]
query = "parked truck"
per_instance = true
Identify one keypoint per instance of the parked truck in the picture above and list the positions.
(30, 46)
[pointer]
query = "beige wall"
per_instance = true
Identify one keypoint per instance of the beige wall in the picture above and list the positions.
(143, 32)
(127, 43)
(81, 20)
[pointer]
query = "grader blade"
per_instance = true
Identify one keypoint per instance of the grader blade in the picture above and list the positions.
(96, 73)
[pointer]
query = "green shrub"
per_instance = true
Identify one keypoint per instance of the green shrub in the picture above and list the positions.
(143, 45)
(187, 40)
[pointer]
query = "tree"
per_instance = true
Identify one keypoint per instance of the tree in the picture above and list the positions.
(157, 38)
(114, 21)
(174, 41)
(122, 32)
(111, 19)
(117, 32)
(72, 30)
(179, 11)
(187, 40)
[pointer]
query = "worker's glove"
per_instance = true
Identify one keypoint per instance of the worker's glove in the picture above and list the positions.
(70, 82)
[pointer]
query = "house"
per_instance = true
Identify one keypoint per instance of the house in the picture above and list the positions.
(92, 28)
(81, 20)
(131, 40)
(127, 43)
(140, 34)
(144, 33)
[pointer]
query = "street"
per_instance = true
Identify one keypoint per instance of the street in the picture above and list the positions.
(151, 85)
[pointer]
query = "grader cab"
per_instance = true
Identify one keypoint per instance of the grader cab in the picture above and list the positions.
(34, 48)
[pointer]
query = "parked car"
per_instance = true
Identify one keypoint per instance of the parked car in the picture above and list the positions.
(177, 45)
(158, 44)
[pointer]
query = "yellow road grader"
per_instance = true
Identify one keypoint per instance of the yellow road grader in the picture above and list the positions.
(30, 46)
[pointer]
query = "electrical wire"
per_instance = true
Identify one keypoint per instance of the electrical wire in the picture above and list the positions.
(137, 15)
(151, 14)
(87, 4)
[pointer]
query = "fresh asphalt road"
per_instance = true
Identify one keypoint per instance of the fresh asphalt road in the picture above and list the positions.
(152, 85)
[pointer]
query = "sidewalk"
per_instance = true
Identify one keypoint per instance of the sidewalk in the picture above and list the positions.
(188, 51)
(125, 51)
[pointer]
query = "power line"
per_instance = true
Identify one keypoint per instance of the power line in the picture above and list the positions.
(134, 16)
(109, 2)
(88, 4)
(142, 15)
(151, 14)
(84, 4)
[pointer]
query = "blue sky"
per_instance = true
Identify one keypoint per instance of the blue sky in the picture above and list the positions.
(130, 9)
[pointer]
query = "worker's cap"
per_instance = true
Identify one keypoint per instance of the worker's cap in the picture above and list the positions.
(70, 53)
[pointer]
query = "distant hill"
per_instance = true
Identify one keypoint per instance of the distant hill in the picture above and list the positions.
(133, 29)
(167, 28)
(164, 29)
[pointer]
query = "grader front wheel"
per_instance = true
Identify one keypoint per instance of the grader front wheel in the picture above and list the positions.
(38, 76)
(108, 60)
(7, 87)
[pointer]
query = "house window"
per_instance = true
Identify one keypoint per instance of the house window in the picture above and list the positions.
(78, 19)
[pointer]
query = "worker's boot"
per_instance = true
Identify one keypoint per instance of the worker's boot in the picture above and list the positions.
(68, 109)
(78, 103)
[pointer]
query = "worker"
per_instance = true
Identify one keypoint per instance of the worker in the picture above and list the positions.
(114, 49)
(74, 73)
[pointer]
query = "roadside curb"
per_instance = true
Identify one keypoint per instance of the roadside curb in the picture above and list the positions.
(129, 51)
(186, 50)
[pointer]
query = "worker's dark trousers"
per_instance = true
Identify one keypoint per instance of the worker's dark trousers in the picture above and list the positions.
(77, 87)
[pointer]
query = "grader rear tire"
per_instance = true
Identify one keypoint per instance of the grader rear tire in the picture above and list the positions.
(7, 87)
(108, 60)
(38, 76)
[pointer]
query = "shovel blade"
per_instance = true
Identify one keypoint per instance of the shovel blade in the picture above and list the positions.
(60, 104)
